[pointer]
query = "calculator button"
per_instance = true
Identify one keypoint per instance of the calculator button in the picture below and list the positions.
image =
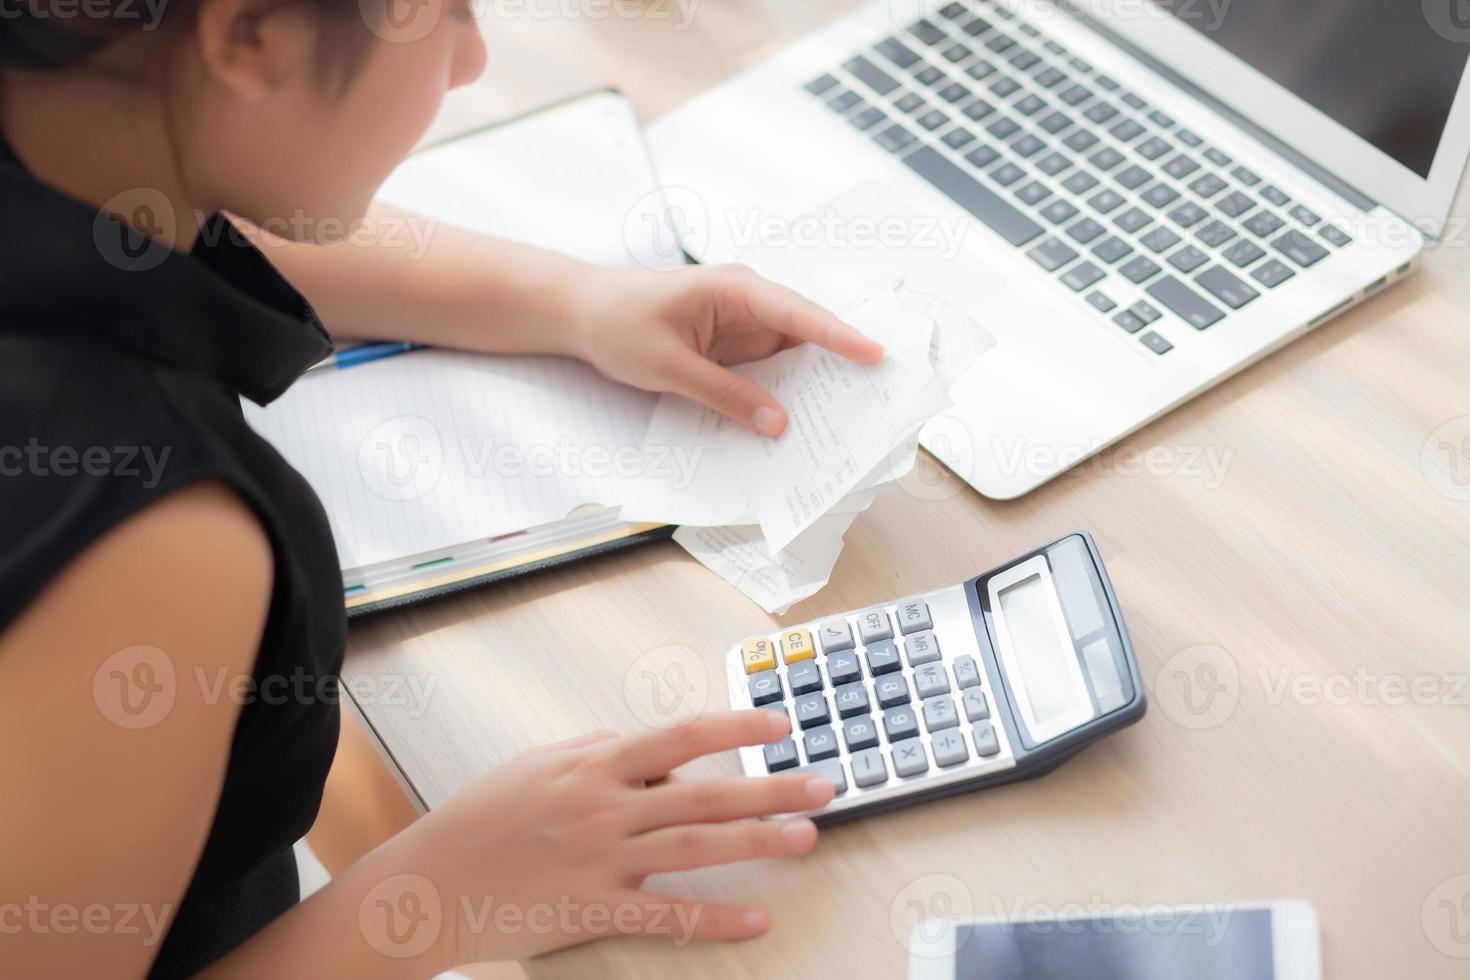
(949, 749)
(873, 626)
(821, 743)
(976, 707)
(843, 668)
(811, 710)
(909, 758)
(852, 699)
(986, 744)
(939, 714)
(835, 635)
(797, 645)
(922, 648)
(882, 658)
(765, 687)
(860, 733)
(891, 690)
(930, 681)
(868, 768)
(900, 723)
(830, 770)
(758, 653)
(914, 616)
(781, 755)
(966, 674)
(804, 677)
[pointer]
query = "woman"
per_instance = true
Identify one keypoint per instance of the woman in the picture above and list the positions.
(149, 820)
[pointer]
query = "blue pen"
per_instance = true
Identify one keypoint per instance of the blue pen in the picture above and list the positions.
(354, 356)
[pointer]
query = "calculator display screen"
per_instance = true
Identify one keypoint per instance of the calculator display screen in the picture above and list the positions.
(1045, 656)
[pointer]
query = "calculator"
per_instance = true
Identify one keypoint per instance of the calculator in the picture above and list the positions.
(995, 680)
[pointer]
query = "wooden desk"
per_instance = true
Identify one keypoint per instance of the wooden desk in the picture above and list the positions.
(1301, 622)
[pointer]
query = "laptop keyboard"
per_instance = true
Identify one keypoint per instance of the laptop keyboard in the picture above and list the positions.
(1125, 206)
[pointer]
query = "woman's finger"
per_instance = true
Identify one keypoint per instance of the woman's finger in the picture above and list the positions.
(575, 742)
(786, 311)
(683, 920)
(653, 755)
(736, 397)
(723, 800)
(702, 845)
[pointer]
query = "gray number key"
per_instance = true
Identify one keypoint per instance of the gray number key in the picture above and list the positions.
(930, 681)
(835, 635)
(939, 713)
(860, 733)
(949, 749)
(804, 676)
(891, 690)
(781, 755)
(900, 723)
(811, 710)
(909, 758)
(843, 668)
(821, 743)
(873, 625)
(966, 673)
(986, 743)
(882, 658)
(922, 648)
(868, 768)
(831, 770)
(852, 699)
(913, 616)
(765, 687)
(976, 707)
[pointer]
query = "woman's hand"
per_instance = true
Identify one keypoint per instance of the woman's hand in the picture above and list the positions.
(552, 848)
(676, 331)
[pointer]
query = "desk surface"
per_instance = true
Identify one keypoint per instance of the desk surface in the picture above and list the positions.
(1292, 575)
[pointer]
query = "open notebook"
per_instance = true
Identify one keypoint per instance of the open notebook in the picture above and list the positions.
(441, 470)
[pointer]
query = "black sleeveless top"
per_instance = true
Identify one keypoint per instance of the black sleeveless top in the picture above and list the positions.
(122, 364)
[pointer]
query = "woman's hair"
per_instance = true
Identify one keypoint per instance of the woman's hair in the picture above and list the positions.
(56, 35)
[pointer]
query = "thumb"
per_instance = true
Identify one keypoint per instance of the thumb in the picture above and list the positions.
(732, 395)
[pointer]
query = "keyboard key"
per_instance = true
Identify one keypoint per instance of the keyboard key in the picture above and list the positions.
(1336, 236)
(1080, 65)
(1000, 44)
(1007, 174)
(1005, 87)
(765, 687)
(910, 103)
(1245, 176)
(1300, 249)
(1305, 215)
(980, 69)
(1112, 250)
(1003, 128)
(832, 771)
(979, 109)
(1053, 164)
(844, 101)
(1217, 157)
(1156, 343)
(922, 648)
(1146, 314)
(1187, 215)
(1158, 118)
(1262, 223)
(1134, 101)
(843, 668)
(1185, 303)
(892, 690)
(1188, 138)
(927, 32)
(1082, 275)
(1133, 220)
(958, 138)
(868, 118)
(976, 26)
(953, 92)
(1052, 254)
(930, 681)
(929, 75)
(900, 723)
(780, 755)
(1085, 231)
(1027, 146)
(811, 710)
(952, 11)
(913, 616)
(1105, 201)
(1275, 195)
(895, 138)
(797, 645)
(1188, 258)
(957, 52)
(932, 120)
(804, 677)
(758, 653)
(1208, 185)
(949, 749)
(868, 768)
(1272, 273)
(1243, 253)
(1138, 269)
(1099, 113)
(1106, 159)
(1080, 182)
(1160, 195)
(835, 635)
(1160, 239)
(897, 52)
(1101, 303)
(1059, 212)
(983, 156)
(939, 714)
(820, 84)
(871, 75)
(1081, 140)
(859, 733)
(1128, 322)
(820, 743)
(1126, 130)
(1055, 122)
(1025, 60)
(1215, 234)
(1235, 204)
(1226, 287)
(1030, 105)
(986, 742)
(852, 699)
(1133, 177)
(1104, 82)
(909, 757)
(966, 673)
(873, 625)
(1078, 94)
(1180, 167)
(1051, 77)
(882, 658)
(976, 707)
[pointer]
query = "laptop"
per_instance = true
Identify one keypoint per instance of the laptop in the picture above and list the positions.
(1134, 199)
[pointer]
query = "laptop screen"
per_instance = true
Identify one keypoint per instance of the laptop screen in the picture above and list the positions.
(1378, 67)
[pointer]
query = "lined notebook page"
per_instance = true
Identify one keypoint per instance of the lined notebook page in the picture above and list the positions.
(432, 449)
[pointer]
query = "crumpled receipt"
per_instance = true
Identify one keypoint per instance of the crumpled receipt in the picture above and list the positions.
(769, 515)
